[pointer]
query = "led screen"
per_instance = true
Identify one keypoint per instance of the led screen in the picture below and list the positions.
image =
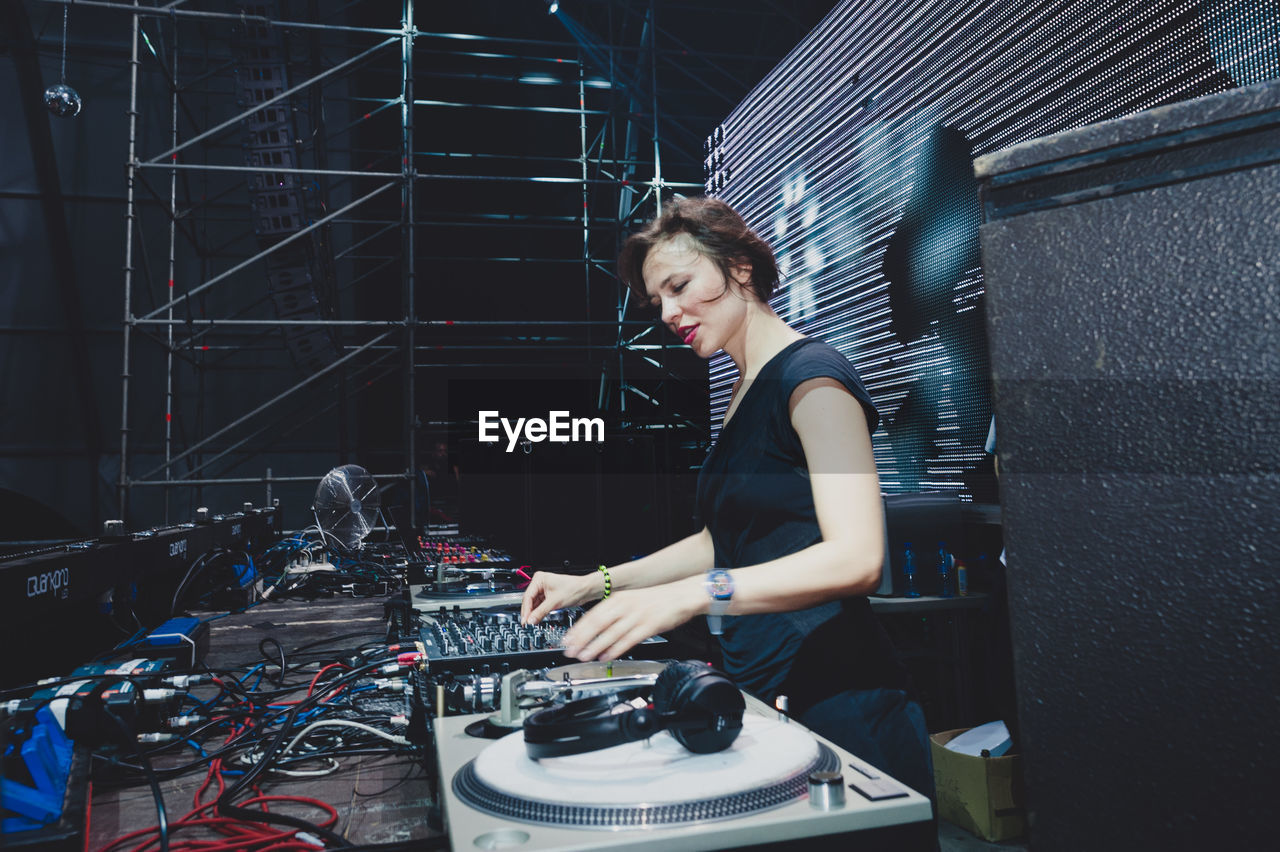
(853, 158)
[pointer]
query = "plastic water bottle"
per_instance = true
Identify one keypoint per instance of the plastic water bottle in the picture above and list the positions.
(944, 571)
(909, 572)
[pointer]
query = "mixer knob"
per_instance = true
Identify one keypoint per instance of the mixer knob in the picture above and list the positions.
(539, 641)
(524, 642)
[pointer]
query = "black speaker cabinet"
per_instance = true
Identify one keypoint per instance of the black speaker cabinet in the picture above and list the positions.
(1134, 321)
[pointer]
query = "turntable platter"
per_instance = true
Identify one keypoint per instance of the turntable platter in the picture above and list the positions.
(471, 587)
(645, 784)
(475, 584)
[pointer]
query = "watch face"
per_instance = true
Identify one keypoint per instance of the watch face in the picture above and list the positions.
(720, 584)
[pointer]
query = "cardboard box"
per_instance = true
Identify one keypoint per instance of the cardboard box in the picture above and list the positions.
(982, 795)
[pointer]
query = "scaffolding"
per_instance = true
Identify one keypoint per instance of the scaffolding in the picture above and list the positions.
(619, 151)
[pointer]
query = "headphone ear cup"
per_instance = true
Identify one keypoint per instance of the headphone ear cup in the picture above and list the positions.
(700, 705)
(671, 681)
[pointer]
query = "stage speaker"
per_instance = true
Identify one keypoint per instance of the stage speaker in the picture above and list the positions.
(1134, 321)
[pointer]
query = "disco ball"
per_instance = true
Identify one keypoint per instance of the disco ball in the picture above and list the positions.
(62, 100)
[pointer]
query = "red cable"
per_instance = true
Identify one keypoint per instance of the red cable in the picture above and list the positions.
(241, 835)
(236, 835)
(320, 674)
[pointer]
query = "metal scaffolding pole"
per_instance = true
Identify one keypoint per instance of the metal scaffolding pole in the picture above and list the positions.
(130, 216)
(586, 213)
(169, 11)
(407, 104)
(214, 167)
(254, 480)
(173, 235)
(625, 211)
(653, 68)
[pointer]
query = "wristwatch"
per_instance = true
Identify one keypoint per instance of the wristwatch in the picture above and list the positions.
(720, 588)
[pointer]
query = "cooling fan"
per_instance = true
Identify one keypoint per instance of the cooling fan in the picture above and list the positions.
(346, 504)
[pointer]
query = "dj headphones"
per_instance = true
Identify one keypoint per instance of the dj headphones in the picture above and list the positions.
(700, 706)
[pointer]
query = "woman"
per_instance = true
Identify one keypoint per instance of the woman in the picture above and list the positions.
(790, 499)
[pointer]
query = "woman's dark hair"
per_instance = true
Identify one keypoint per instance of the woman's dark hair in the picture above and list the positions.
(720, 235)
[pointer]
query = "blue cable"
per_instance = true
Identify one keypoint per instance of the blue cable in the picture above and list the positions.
(251, 671)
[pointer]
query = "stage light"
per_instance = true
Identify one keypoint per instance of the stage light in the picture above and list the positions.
(552, 7)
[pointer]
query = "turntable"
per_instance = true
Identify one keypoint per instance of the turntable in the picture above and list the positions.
(470, 587)
(472, 582)
(656, 794)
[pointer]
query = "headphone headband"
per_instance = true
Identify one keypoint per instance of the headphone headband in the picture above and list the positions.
(700, 706)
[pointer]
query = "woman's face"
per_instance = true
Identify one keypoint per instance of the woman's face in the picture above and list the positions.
(690, 292)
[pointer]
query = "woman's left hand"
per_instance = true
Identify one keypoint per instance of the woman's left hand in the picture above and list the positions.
(625, 619)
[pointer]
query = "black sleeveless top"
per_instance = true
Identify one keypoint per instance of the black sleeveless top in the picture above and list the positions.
(755, 499)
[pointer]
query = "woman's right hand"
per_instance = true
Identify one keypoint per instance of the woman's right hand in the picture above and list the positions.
(548, 591)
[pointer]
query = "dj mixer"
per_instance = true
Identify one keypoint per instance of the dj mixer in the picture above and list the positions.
(462, 640)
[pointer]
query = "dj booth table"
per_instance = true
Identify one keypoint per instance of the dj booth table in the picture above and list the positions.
(390, 798)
